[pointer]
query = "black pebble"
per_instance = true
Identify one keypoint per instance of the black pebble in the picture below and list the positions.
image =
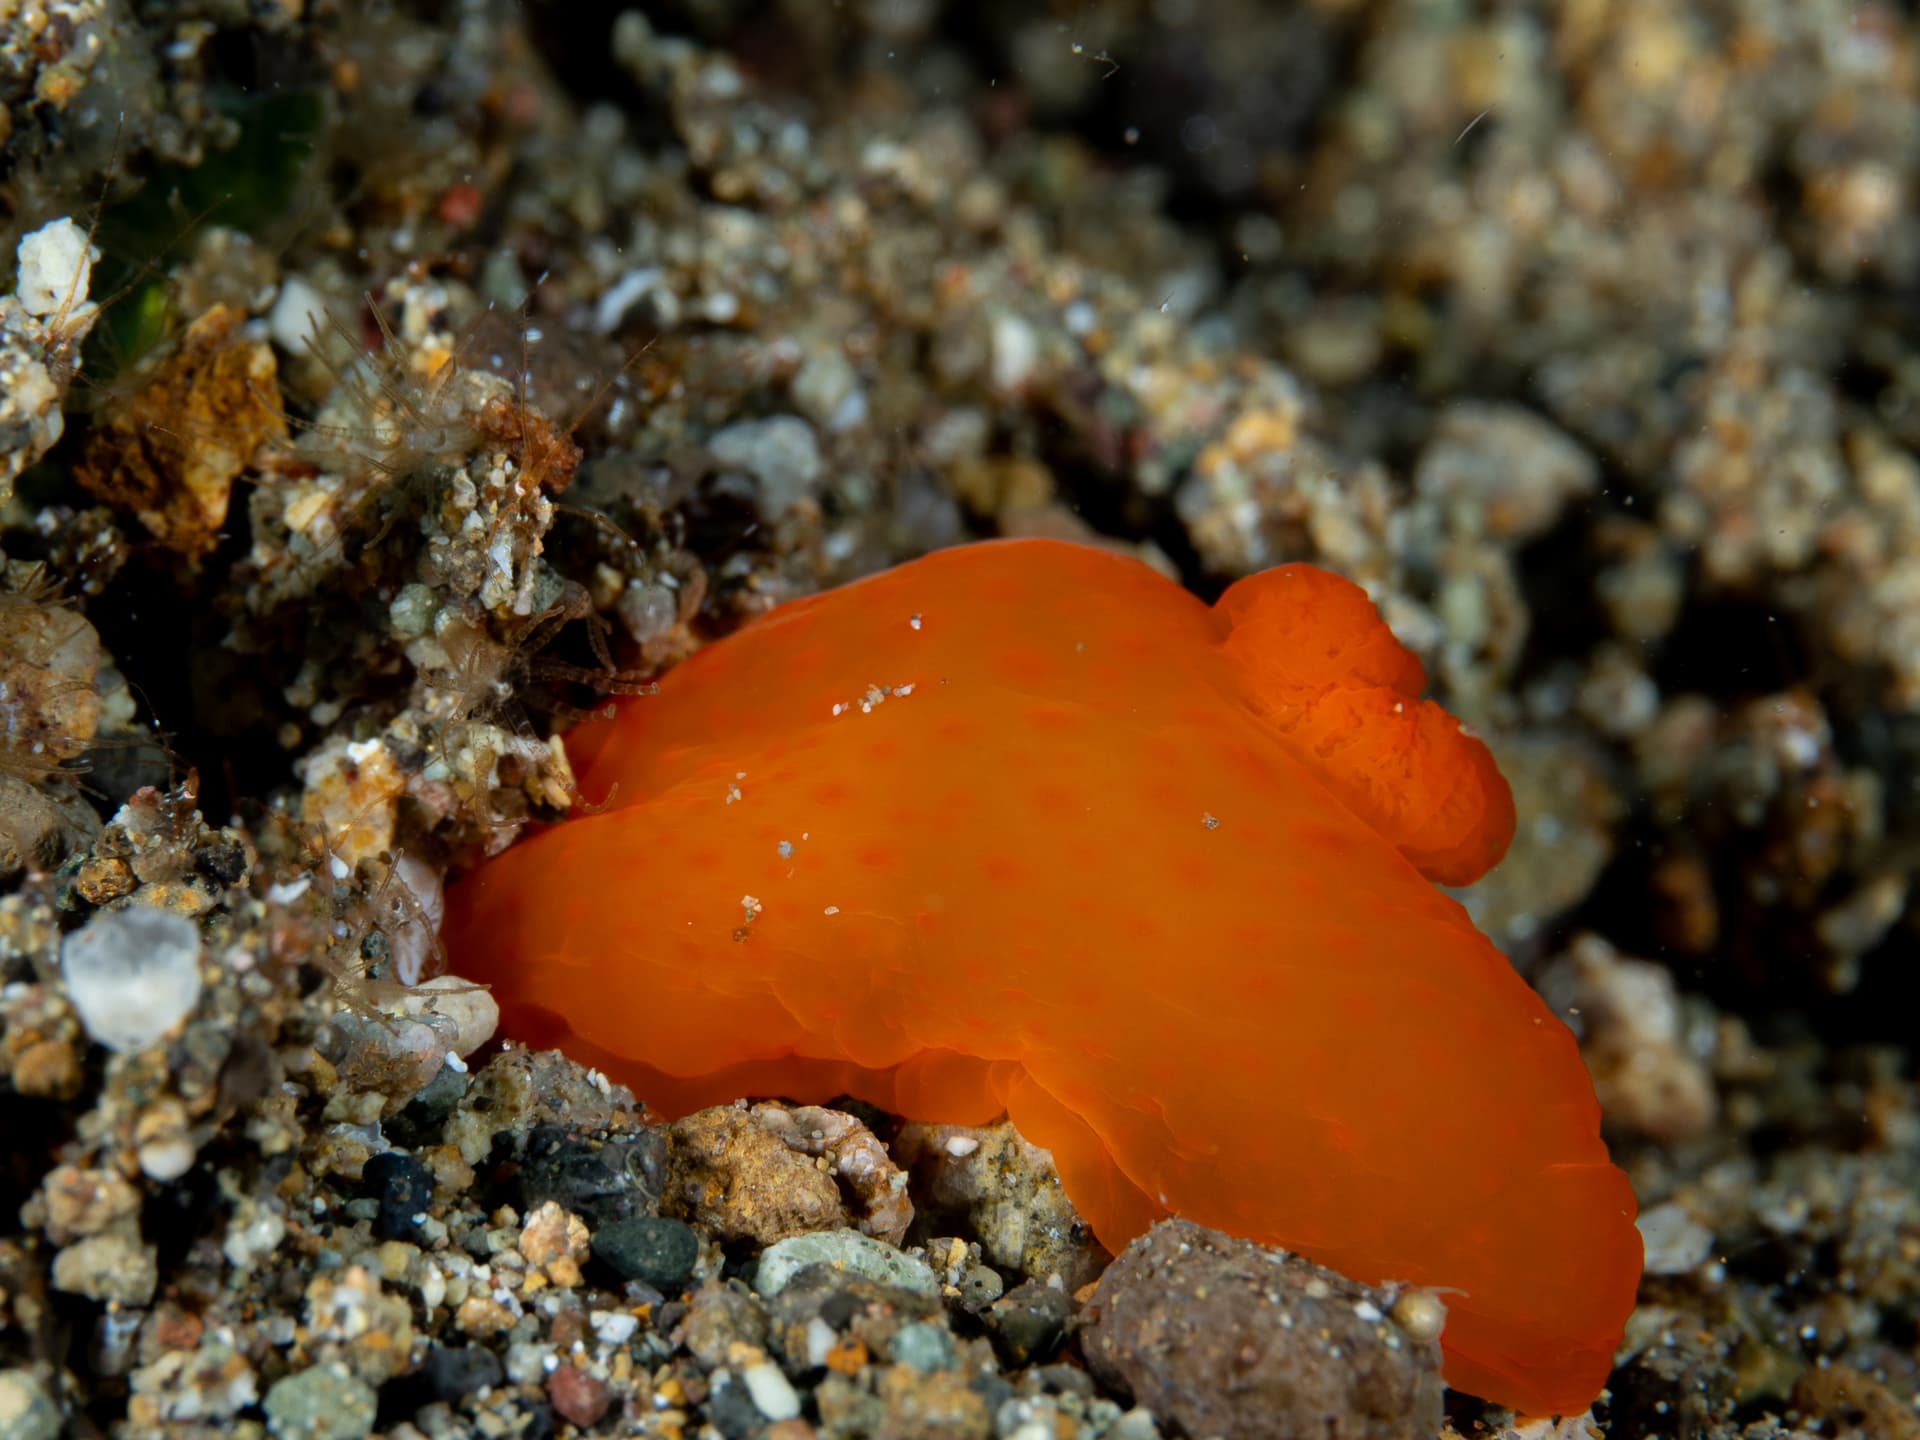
(601, 1181)
(461, 1370)
(539, 1420)
(424, 1120)
(731, 1411)
(404, 1189)
(224, 860)
(657, 1251)
(990, 1387)
(1029, 1322)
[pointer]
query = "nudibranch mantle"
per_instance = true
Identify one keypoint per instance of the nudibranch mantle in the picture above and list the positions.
(1025, 826)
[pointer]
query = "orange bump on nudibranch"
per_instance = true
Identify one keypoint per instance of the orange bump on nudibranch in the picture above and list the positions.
(1024, 826)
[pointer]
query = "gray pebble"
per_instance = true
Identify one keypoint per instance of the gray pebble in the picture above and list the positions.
(324, 1402)
(828, 392)
(846, 1250)
(780, 452)
(925, 1346)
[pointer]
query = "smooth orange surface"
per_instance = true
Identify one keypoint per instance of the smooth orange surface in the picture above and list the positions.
(1026, 826)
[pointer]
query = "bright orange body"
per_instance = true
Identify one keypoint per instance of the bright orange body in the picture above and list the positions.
(1025, 826)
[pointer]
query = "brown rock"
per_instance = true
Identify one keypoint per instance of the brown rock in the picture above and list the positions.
(1634, 1036)
(172, 450)
(720, 1317)
(568, 1329)
(860, 1163)
(483, 1315)
(551, 1235)
(577, 1396)
(111, 1267)
(102, 879)
(51, 655)
(47, 1070)
(86, 1202)
(738, 1179)
(940, 1406)
(1852, 1402)
(1225, 1338)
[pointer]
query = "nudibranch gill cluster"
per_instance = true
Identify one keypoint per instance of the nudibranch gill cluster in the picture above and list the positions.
(1025, 826)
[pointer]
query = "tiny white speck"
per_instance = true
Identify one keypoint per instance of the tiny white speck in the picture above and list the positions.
(454, 1062)
(903, 689)
(785, 847)
(1212, 822)
(914, 621)
(1398, 706)
(733, 793)
(751, 905)
(831, 910)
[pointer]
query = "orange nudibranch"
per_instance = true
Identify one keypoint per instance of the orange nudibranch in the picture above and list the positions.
(1024, 826)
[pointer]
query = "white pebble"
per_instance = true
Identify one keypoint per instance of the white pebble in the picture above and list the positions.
(411, 941)
(469, 1012)
(613, 1327)
(298, 316)
(55, 266)
(168, 1159)
(772, 1394)
(1015, 351)
(132, 975)
(1674, 1241)
(625, 293)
